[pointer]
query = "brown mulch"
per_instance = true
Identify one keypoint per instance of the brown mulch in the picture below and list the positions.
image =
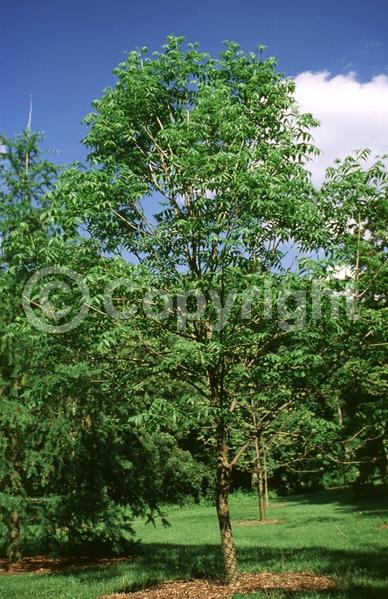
(248, 583)
(43, 564)
(258, 522)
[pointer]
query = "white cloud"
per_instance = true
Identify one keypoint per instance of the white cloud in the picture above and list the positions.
(353, 115)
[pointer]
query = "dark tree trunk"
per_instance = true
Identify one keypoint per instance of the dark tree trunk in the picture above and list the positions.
(222, 502)
(14, 551)
(223, 480)
(14, 546)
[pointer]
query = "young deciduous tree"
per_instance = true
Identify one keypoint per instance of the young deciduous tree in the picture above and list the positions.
(354, 198)
(198, 172)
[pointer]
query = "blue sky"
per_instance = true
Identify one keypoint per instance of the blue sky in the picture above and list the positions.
(63, 52)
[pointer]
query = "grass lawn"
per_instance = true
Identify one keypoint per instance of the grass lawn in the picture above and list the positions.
(327, 533)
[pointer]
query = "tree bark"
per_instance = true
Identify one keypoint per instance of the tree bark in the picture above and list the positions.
(14, 551)
(14, 547)
(222, 502)
(259, 480)
(266, 492)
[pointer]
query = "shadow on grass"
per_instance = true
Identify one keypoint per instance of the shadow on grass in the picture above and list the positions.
(361, 572)
(168, 562)
(315, 520)
(368, 501)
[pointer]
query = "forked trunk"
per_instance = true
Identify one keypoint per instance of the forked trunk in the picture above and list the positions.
(222, 501)
(266, 491)
(259, 480)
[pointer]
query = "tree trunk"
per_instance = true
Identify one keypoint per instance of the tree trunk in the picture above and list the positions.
(14, 551)
(266, 493)
(222, 502)
(259, 480)
(340, 414)
(14, 547)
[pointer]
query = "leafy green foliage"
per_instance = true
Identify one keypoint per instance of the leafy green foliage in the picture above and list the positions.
(203, 347)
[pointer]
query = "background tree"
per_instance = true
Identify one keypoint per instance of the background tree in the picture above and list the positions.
(24, 179)
(69, 456)
(357, 188)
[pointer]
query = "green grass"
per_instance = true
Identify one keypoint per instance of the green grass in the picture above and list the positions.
(327, 533)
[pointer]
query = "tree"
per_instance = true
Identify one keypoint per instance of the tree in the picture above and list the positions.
(24, 180)
(357, 188)
(197, 170)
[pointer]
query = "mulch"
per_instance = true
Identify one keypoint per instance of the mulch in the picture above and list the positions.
(248, 583)
(43, 564)
(258, 522)
(186, 589)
